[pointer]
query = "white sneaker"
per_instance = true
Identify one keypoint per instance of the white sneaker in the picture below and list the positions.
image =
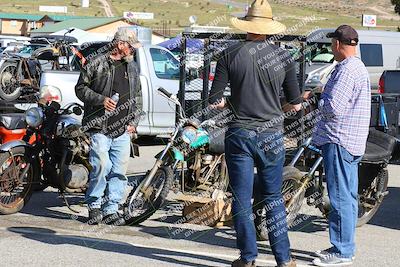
(325, 252)
(332, 259)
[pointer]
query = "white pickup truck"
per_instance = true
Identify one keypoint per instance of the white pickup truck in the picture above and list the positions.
(158, 68)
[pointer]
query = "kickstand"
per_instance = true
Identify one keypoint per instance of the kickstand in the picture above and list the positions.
(66, 203)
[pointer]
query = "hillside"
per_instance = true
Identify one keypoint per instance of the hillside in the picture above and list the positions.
(174, 14)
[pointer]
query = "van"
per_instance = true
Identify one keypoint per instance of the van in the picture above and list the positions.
(379, 50)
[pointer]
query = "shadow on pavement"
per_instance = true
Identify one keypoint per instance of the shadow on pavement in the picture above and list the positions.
(309, 224)
(224, 237)
(41, 203)
(388, 214)
(48, 236)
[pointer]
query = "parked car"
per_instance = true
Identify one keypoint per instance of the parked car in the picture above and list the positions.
(158, 68)
(379, 50)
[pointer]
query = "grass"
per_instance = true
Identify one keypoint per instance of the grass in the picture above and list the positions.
(175, 13)
(32, 7)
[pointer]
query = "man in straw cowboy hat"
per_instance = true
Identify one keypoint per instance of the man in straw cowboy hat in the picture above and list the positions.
(257, 70)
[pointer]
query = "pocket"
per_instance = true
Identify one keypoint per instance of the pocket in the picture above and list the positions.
(235, 145)
(347, 156)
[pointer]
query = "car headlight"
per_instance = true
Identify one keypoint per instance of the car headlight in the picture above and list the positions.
(34, 117)
(189, 134)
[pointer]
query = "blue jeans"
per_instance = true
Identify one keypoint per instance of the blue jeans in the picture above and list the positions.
(245, 149)
(107, 180)
(341, 172)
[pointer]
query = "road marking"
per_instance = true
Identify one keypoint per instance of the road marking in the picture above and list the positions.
(195, 252)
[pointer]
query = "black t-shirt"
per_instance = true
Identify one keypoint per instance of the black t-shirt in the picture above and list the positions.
(116, 124)
(256, 71)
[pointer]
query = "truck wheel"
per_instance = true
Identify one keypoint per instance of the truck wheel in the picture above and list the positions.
(10, 88)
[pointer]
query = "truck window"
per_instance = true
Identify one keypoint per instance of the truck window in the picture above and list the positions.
(165, 65)
(371, 55)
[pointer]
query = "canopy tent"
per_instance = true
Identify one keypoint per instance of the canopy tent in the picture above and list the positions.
(192, 45)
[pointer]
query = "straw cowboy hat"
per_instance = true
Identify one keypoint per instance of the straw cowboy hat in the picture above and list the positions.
(259, 20)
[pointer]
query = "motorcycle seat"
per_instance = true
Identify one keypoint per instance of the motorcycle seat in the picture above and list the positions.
(379, 148)
(12, 121)
(217, 141)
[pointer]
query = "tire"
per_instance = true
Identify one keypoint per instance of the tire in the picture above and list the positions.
(260, 224)
(365, 214)
(149, 207)
(7, 207)
(290, 184)
(10, 89)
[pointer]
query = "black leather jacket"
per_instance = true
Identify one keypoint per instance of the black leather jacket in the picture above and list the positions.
(95, 84)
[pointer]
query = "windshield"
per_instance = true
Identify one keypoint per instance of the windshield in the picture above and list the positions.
(322, 53)
(165, 65)
(29, 49)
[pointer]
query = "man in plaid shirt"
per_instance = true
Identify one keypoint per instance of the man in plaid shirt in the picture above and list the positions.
(342, 133)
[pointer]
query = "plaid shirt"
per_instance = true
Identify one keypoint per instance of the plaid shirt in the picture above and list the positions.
(345, 108)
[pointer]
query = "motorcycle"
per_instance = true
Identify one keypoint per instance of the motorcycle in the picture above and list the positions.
(20, 74)
(372, 186)
(12, 127)
(58, 156)
(192, 162)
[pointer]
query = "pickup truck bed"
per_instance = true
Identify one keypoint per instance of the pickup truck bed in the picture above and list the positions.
(389, 82)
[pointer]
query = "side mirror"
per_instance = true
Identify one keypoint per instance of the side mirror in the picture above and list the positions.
(77, 111)
(55, 105)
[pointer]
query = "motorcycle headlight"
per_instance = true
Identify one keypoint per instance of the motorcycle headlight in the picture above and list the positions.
(50, 93)
(189, 134)
(34, 117)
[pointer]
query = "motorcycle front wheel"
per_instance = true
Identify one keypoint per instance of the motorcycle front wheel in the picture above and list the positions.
(15, 193)
(290, 186)
(147, 202)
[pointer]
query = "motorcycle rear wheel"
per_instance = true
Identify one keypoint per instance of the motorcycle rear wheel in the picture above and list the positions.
(10, 88)
(14, 194)
(140, 209)
(365, 214)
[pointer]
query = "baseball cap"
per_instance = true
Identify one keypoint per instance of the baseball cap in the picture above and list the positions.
(345, 34)
(127, 35)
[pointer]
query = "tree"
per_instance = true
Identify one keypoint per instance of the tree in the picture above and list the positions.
(396, 4)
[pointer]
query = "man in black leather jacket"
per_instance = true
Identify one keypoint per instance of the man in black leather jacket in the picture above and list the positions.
(109, 123)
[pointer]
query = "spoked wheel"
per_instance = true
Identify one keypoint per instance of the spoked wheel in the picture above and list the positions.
(367, 208)
(290, 190)
(290, 186)
(146, 203)
(10, 88)
(15, 192)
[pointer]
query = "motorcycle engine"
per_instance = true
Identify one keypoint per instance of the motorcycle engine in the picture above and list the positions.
(72, 145)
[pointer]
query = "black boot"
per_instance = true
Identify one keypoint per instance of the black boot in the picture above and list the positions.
(95, 217)
(115, 219)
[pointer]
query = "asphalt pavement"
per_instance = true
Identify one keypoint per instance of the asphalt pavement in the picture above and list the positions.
(46, 233)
